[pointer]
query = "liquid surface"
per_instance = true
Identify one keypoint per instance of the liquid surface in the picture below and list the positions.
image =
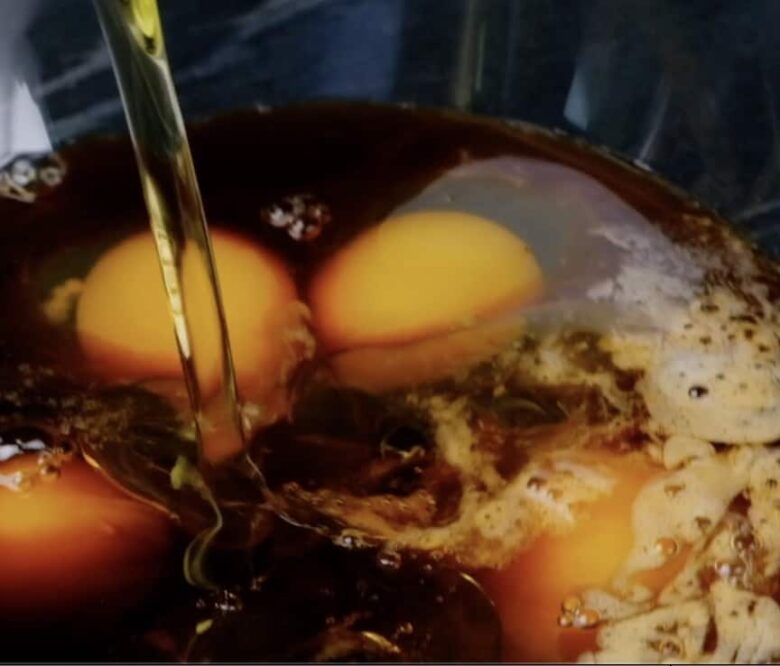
(534, 402)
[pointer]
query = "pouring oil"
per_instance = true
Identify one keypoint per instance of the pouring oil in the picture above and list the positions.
(134, 35)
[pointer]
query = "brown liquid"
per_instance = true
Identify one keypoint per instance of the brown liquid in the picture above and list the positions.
(358, 163)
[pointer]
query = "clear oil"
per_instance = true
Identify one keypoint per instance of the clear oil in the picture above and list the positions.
(134, 34)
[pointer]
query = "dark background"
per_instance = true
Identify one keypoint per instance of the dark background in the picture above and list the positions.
(689, 87)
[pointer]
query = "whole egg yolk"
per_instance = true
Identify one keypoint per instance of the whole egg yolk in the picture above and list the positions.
(126, 330)
(76, 544)
(530, 590)
(423, 276)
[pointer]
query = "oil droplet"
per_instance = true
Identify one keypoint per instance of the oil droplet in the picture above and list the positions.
(203, 626)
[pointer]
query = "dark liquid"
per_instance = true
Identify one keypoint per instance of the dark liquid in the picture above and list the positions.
(352, 165)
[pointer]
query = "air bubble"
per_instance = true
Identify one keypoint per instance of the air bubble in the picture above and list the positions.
(670, 648)
(723, 569)
(586, 618)
(697, 392)
(49, 473)
(574, 614)
(565, 620)
(389, 560)
(300, 215)
(30, 175)
(405, 629)
(743, 542)
(228, 602)
(22, 172)
(666, 546)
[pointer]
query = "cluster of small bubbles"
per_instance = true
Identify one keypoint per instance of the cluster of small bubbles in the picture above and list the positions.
(743, 542)
(404, 629)
(389, 560)
(48, 459)
(24, 178)
(575, 614)
(667, 547)
(668, 647)
(734, 573)
(300, 215)
(227, 601)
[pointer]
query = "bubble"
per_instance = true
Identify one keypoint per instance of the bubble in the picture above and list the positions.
(724, 569)
(22, 172)
(670, 648)
(697, 392)
(49, 473)
(743, 542)
(586, 618)
(28, 176)
(666, 546)
(389, 560)
(565, 620)
(571, 604)
(302, 216)
(405, 629)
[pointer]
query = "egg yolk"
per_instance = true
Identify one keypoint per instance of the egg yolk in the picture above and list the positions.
(529, 592)
(76, 544)
(415, 277)
(125, 327)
